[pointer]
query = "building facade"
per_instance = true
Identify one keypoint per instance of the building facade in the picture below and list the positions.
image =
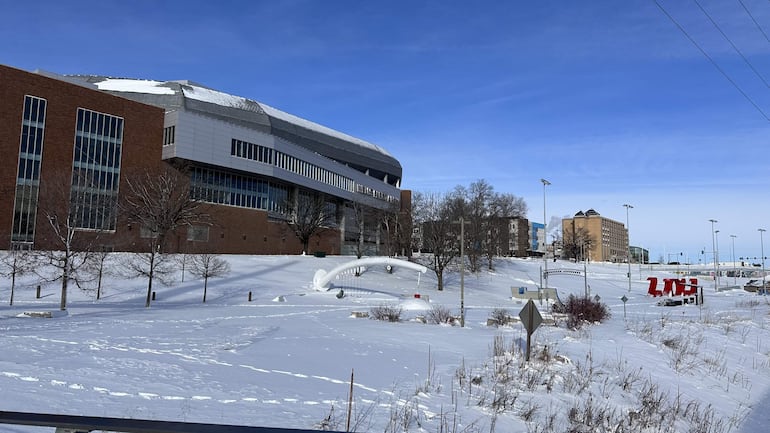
(537, 237)
(249, 162)
(594, 237)
(66, 149)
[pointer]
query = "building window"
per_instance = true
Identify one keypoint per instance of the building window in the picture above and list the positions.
(28, 174)
(96, 170)
(198, 233)
(169, 133)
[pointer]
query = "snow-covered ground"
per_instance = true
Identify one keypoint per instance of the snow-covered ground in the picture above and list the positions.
(286, 358)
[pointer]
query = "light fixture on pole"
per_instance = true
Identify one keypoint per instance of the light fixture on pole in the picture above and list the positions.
(628, 244)
(762, 251)
(545, 238)
(713, 250)
(732, 253)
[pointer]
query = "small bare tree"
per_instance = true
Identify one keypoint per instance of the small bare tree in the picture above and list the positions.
(207, 266)
(360, 213)
(96, 266)
(310, 215)
(65, 208)
(15, 263)
(159, 203)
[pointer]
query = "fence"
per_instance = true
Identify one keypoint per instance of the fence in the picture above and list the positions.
(83, 424)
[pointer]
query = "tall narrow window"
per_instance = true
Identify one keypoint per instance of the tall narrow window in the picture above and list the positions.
(96, 170)
(169, 133)
(28, 174)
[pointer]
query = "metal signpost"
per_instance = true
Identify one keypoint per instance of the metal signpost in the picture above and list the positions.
(531, 319)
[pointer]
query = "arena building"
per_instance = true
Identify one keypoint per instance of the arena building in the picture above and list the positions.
(249, 161)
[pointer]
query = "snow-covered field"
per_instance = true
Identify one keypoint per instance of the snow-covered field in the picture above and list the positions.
(285, 358)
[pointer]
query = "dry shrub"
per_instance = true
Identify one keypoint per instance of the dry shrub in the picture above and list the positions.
(387, 313)
(500, 316)
(439, 314)
(584, 310)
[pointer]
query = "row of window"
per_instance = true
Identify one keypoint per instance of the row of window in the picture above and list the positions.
(254, 152)
(99, 124)
(267, 155)
(215, 186)
(169, 133)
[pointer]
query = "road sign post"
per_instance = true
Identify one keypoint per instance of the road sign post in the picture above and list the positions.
(624, 299)
(531, 319)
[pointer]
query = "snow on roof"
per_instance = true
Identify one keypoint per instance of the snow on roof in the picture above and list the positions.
(216, 97)
(134, 86)
(225, 99)
(274, 112)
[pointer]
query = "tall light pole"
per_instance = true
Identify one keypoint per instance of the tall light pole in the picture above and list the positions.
(716, 255)
(714, 250)
(732, 253)
(462, 223)
(628, 244)
(762, 251)
(545, 237)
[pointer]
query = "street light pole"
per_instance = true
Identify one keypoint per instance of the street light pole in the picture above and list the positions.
(545, 238)
(714, 249)
(462, 223)
(628, 244)
(732, 253)
(762, 251)
(716, 255)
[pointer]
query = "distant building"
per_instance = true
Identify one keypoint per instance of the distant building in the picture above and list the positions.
(639, 255)
(537, 239)
(592, 236)
(510, 236)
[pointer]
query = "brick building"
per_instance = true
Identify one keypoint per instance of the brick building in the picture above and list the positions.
(53, 132)
(606, 239)
(246, 160)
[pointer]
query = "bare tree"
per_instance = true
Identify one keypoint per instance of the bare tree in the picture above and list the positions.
(15, 263)
(310, 215)
(434, 214)
(478, 199)
(488, 214)
(206, 266)
(577, 243)
(96, 266)
(71, 207)
(159, 203)
(396, 228)
(360, 213)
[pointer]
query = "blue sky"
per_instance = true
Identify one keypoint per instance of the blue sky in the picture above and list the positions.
(608, 100)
